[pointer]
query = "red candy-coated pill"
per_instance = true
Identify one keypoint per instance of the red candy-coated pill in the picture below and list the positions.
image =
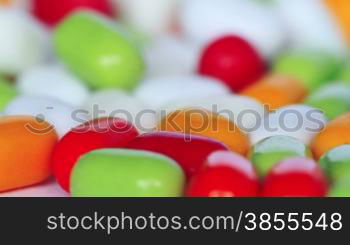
(190, 152)
(232, 60)
(226, 174)
(295, 177)
(96, 134)
(53, 11)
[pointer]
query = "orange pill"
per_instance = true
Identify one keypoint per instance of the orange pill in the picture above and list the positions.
(275, 91)
(5, 2)
(195, 121)
(25, 150)
(336, 133)
(340, 9)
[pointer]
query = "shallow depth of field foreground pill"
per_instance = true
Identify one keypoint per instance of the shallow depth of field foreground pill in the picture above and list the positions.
(109, 60)
(92, 135)
(195, 121)
(190, 152)
(226, 174)
(295, 177)
(26, 145)
(270, 151)
(126, 173)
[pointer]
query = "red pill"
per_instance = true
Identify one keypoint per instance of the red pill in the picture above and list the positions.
(226, 174)
(96, 134)
(53, 11)
(296, 177)
(234, 61)
(190, 152)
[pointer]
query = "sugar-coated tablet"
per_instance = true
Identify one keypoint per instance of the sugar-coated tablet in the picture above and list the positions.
(206, 20)
(24, 41)
(336, 133)
(126, 173)
(232, 60)
(276, 90)
(197, 121)
(190, 152)
(170, 55)
(26, 145)
(270, 151)
(245, 112)
(333, 99)
(110, 60)
(311, 26)
(151, 17)
(63, 117)
(53, 81)
(299, 121)
(54, 11)
(295, 177)
(160, 91)
(312, 68)
(96, 134)
(116, 103)
(226, 174)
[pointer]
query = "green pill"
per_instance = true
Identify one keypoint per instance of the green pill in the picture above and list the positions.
(332, 99)
(98, 51)
(126, 173)
(268, 152)
(345, 74)
(336, 163)
(312, 68)
(340, 188)
(7, 93)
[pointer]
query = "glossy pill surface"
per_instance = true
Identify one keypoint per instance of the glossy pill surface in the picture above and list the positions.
(126, 173)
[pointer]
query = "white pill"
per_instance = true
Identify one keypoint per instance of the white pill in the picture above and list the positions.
(23, 41)
(299, 121)
(311, 26)
(169, 55)
(49, 188)
(53, 81)
(115, 103)
(63, 117)
(158, 92)
(205, 20)
(245, 112)
(150, 17)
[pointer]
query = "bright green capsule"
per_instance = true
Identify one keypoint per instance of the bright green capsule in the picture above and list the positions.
(98, 51)
(126, 173)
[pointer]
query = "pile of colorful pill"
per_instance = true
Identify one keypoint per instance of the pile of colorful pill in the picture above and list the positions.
(171, 98)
